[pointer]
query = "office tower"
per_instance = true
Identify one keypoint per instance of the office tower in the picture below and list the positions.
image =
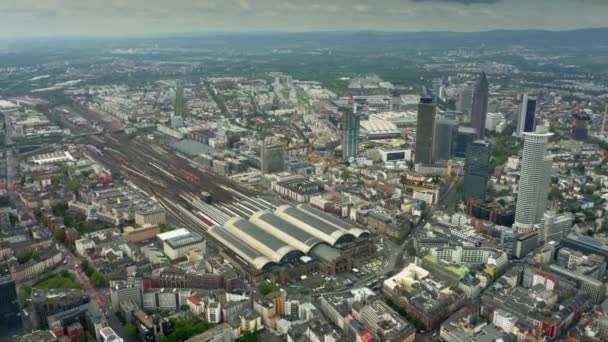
(527, 116)
(464, 136)
(604, 120)
(350, 133)
(480, 105)
(534, 181)
(179, 100)
(130, 289)
(48, 303)
(272, 158)
(476, 170)
(465, 100)
(10, 318)
(425, 127)
(445, 132)
(555, 227)
(524, 244)
(580, 126)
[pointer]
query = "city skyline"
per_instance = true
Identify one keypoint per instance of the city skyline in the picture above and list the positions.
(36, 18)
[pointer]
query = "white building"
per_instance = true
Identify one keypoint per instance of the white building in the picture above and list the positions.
(555, 227)
(214, 313)
(504, 320)
(177, 243)
(108, 335)
(493, 120)
(534, 181)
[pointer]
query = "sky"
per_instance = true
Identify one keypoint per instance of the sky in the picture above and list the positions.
(42, 18)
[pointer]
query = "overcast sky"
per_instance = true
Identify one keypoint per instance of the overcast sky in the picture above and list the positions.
(21, 18)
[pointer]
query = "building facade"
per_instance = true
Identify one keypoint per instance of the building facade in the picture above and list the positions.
(350, 134)
(476, 170)
(534, 181)
(527, 116)
(425, 130)
(479, 111)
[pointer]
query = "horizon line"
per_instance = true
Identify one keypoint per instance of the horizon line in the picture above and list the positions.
(276, 32)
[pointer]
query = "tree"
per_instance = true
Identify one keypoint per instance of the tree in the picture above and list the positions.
(25, 256)
(502, 202)
(410, 248)
(59, 234)
(25, 292)
(98, 280)
(183, 329)
(345, 175)
(13, 219)
(249, 336)
(130, 330)
(267, 287)
(60, 209)
(73, 185)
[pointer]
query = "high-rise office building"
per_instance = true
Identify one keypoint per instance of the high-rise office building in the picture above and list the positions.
(272, 158)
(580, 126)
(527, 116)
(464, 136)
(10, 318)
(479, 111)
(350, 133)
(476, 170)
(445, 133)
(425, 129)
(554, 226)
(465, 99)
(534, 181)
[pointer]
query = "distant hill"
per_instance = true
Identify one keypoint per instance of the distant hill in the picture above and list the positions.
(352, 40)
(587, 38)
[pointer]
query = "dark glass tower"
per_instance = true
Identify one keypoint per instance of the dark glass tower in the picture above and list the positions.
(480, 105)
(425, 129)
(527, 116)
(476, 170)
(10, 318)
(446, 132)
(350, 134)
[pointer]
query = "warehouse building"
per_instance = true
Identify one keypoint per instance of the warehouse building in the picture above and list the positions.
(177, 243)
(298, 236)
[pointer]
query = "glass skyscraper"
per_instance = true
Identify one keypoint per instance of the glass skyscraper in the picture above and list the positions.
(425, 130)
(476, 170)
(527, 116)
(350, 134)
(10, 318)
(479, 111)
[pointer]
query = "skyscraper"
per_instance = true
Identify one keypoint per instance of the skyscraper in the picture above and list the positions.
(425, 129)
(465, 99)
(480, 105)
(527, 116)
(272, 158)
(350, 134)
(554, 226)
(10, 319)
(534, 181)
(580, 126)
(476, 170)
(445, 134)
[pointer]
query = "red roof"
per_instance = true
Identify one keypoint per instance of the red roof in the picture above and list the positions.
(195, 299)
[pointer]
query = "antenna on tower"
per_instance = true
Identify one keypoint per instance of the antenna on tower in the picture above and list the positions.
(604, 122)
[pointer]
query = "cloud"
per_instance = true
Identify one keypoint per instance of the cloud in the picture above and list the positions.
(464, 2)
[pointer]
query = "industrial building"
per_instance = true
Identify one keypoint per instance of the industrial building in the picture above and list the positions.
(379, 128)
(178, 242)
(260, 237)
